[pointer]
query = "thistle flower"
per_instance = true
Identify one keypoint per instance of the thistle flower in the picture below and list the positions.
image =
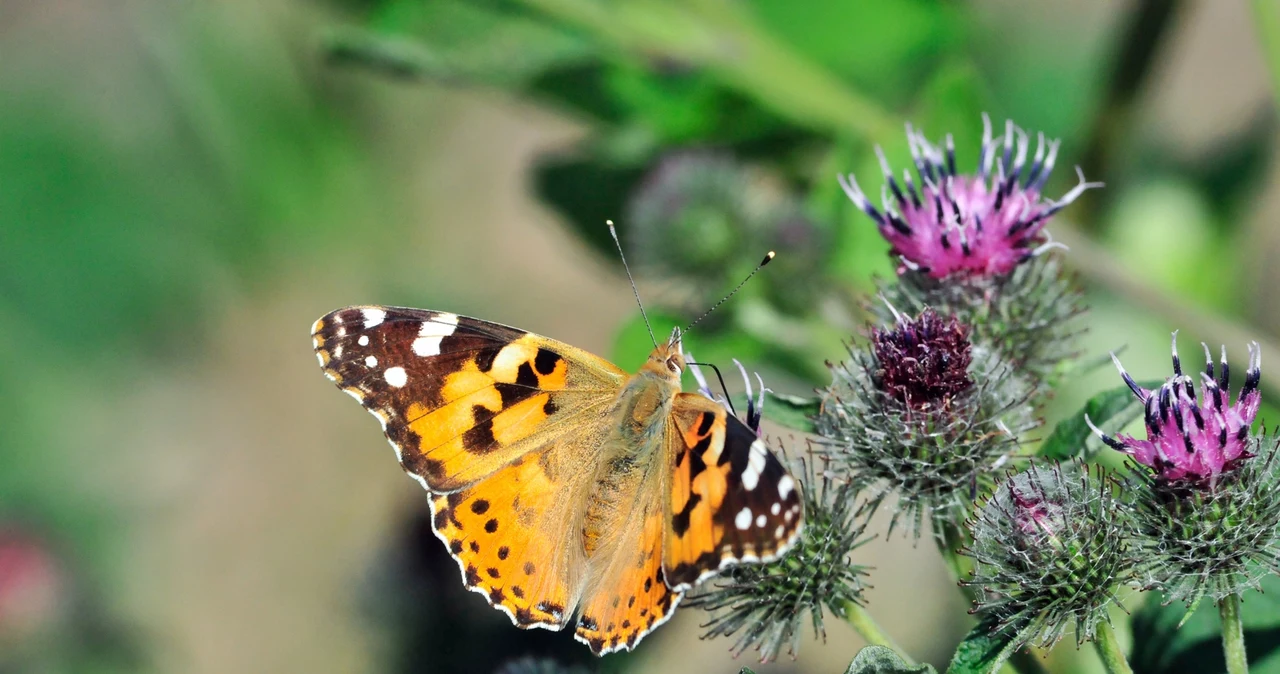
(982, 224)
(1188, 440)
(767, 603)
(1049, 548)
(925, 414)
(1205, 515)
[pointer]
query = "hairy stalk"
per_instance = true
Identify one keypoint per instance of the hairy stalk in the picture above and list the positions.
(1108, 648)
(867, 627)
(1233, 635)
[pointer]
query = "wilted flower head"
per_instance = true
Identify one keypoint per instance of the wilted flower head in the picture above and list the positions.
(1049, 548)
(923, 361)
(1188, 440)
(767, 603)
(924, 414)
(981, 224)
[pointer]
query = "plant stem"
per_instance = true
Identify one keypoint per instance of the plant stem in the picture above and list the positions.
(1233, 635)
(1108, 648)
(867, 627)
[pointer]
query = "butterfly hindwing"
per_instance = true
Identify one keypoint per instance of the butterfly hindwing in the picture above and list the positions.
(628, 596)
(459, 398)
(513, 533)
(730, 499)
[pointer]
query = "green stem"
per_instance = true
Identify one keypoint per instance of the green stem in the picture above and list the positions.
(724, 39)
(1108, 648)
(1233, 635)
(867, 627)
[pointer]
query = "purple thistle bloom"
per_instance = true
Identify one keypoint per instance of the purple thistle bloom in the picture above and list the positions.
(982, 224)
(1189, 441)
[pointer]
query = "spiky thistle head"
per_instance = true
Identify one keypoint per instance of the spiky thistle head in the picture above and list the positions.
(1050, 549)
(767, 605)
(1206, 514)
(699, 215)
(956, 224)
(901, 417)
(1189, 440)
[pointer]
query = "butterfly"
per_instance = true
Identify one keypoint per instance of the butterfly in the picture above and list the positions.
(563, 486)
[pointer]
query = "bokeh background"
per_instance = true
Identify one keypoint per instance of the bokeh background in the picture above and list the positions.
(185, 187)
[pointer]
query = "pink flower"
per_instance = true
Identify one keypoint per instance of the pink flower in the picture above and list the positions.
(968, 225)
(1190, 441)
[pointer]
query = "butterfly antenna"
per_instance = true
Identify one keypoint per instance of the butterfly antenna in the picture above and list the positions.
(634, 291)
(767, 258)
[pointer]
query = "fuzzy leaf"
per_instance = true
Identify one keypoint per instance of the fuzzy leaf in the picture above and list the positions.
(1161, 647)
(984, 651)
(794, 412)
(1110, 410)
(883, 660)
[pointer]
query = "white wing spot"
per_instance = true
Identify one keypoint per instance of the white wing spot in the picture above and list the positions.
(371, 361)
(337, 351)
(777, 533)
(788, 516)
(760, 520)
(396, 376)
(775, 508)
(373, 317)
(363, 341)
(785, 485)
(743, 519)
(320, 358)
(432, 331)
(755, 465)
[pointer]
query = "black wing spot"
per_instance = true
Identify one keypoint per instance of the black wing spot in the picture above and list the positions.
(479, 506)
(704, 426)
(680, 521)
(545, 362)
(517, 591)
(479, 438)
(493, 573)
(455, 546)
(503, 552)
(491, 526)
(525, 376)
(475, 547)
(529, 568)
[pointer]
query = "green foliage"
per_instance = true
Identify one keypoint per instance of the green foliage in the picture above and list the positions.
(1110, 411)
(986, 648)
(1166, 640)
(883, 660)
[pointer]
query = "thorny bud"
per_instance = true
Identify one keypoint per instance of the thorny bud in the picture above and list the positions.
(766, 605)
(1049, 548)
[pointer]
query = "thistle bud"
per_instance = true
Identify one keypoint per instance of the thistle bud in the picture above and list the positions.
(1049, 549)
(766, 604)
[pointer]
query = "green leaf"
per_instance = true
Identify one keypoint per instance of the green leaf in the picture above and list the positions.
(883, 660)
(984, 651)
(1161, 647)
(795, 412)
(1110, 410)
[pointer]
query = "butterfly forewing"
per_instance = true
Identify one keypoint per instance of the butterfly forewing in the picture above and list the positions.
(730, 500)
(459, 398)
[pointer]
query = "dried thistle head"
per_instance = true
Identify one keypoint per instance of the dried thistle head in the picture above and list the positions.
(1050, 549)
(921, 430)
(767, 605)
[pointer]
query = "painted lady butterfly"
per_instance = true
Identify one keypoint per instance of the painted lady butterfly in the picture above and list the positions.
(562, 485)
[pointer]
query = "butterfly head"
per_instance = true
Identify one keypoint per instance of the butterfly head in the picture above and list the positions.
(667, 360)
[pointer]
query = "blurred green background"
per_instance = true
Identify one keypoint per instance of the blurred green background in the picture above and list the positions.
(185, 187)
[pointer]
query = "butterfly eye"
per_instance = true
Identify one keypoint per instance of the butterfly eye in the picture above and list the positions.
(673, 365)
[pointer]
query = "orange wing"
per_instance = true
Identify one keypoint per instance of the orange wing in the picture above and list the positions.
(628, 596)
(459, 398)
(517, 535)
(730, 499)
